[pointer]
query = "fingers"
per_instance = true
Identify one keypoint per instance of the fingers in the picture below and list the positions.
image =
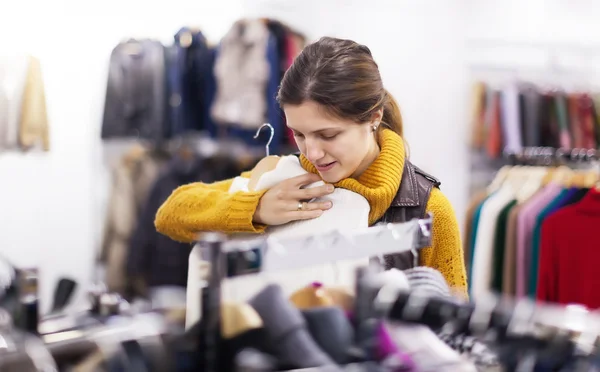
(305, 215)
(323, 206)
(313, 192)
(304, 179)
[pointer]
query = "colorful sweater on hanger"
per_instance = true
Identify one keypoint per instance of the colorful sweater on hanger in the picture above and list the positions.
(210, 207)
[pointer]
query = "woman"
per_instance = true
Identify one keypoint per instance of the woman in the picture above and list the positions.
(349, 132)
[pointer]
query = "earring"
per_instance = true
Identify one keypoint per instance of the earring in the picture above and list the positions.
(375, 127)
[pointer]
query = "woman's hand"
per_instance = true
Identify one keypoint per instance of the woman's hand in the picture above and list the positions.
(287, 201)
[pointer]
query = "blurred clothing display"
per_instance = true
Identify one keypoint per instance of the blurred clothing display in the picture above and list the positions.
(136, 258)
(23, 117)
(163, 95)
(516, 115)
(156, 92)
(532, 234)
(523, 115)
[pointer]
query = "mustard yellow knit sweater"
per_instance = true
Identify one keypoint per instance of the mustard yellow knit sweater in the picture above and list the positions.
(210, 207)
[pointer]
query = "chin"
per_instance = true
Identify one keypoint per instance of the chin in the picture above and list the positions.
(329, 178)
(333, 177)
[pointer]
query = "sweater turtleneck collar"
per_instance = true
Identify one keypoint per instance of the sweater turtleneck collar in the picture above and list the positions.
(379, 183)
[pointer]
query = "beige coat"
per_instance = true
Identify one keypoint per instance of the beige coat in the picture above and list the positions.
(33, 130)
(23, 117)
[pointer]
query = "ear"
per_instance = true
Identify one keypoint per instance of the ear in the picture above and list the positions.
(264, 165)
(377, 117)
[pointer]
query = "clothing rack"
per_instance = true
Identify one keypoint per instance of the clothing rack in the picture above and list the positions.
(551, 155)
(230, 258)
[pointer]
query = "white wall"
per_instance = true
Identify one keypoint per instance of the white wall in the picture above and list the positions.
(51, 205)
(554, 38)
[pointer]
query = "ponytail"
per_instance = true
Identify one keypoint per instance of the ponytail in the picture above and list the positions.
(391, 114)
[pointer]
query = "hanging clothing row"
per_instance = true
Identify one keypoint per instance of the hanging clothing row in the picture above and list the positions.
(389, 321)
(138, 260)
(517, 115)
(331, 326)
(23, 117)
(158, 92)
(532, 232)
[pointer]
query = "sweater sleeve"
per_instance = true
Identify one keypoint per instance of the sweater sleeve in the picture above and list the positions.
(198, 207)
(445, 253)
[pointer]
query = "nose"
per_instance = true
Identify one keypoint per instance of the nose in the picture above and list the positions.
(314, 152)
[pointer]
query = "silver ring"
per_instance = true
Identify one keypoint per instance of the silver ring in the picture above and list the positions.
(300, 206)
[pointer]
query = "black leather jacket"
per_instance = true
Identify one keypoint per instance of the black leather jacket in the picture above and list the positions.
(409, 203)
(136, 90)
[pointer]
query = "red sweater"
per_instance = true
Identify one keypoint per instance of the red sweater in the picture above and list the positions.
(570, 254)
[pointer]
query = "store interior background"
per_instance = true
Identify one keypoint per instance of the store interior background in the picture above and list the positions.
(52, 204)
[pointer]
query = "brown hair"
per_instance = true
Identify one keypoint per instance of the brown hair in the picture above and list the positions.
(342, 77)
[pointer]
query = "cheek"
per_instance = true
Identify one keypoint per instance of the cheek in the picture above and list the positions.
(299, 145)
(349, 150)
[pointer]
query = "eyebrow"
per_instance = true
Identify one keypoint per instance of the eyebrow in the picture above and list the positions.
(320, 130)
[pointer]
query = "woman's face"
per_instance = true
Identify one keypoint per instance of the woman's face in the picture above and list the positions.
(337, 148)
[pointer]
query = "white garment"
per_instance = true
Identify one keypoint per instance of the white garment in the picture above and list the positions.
(13, 73)
(484, 242)
(242, 72)
(350, 211)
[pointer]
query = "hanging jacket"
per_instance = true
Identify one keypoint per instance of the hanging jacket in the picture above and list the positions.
(409, 203)
(33, 129)
(189, 71)
(242, 73)
(136, 91)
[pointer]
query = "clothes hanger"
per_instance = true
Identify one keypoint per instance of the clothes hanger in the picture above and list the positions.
(267, 163)
(534, 175)
(588, 178)
(272, 134)
(532, 185)
(499, 179)
(592, 179)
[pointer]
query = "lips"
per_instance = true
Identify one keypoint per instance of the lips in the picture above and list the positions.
(326, 166)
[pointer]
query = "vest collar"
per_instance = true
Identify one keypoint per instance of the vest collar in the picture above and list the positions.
(408, 192)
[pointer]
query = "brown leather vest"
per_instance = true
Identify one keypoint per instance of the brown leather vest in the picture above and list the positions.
(409, 203)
